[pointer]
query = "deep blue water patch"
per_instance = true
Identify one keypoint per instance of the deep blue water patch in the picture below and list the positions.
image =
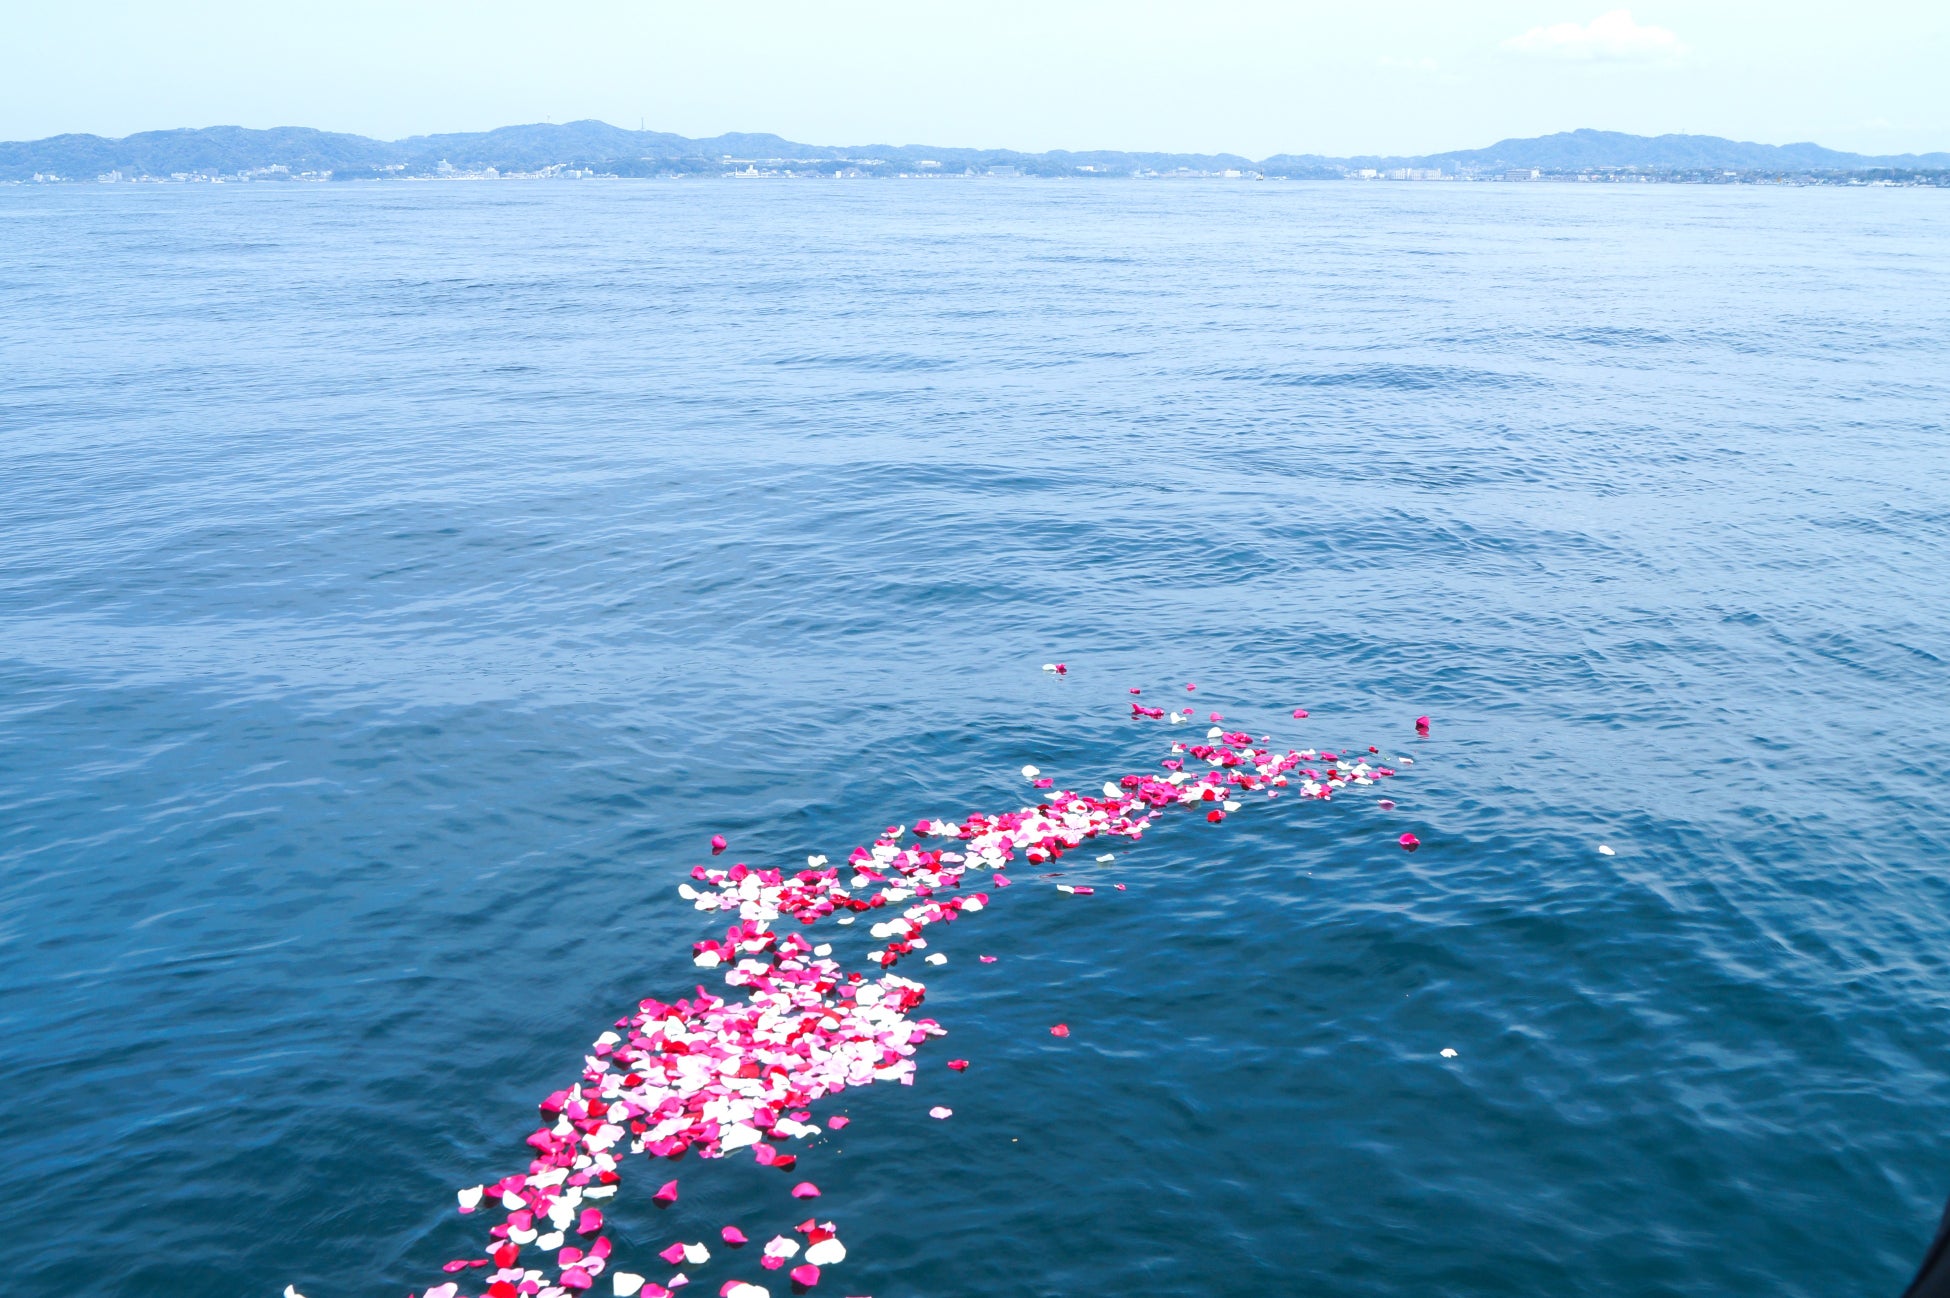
(399, 584)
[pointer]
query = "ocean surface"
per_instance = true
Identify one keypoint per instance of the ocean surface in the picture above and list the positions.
(400, 583)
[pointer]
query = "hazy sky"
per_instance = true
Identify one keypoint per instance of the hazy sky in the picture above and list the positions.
(1248, 76)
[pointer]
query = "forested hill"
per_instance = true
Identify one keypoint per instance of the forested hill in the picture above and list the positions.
(222, 151)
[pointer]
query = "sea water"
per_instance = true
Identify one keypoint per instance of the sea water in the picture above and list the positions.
(400, 583)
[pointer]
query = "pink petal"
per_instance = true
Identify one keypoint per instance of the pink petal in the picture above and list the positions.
(733, 1236)
(958, 1064)
(1421, 725)
(1386, 804)
(806, 1274)
(837, 1121)
(805, 1190)
(673, 1255)
(1060, 1030)
(717, 844)
(988, 959)
(665, 1196)
(1409, 842)
(1300, 713)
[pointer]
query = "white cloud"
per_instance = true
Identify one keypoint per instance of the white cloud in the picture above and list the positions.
(1615, 35)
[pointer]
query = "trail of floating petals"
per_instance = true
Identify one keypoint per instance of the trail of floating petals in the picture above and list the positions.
(712, 1075)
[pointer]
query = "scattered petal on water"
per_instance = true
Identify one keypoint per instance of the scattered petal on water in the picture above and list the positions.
(1605, 850)
(1409, 842)
(800, 1028)
(1421, 725)
(1448, 1052)
(941, 1111)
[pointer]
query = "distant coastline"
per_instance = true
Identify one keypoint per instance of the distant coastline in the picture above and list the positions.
(590, 149)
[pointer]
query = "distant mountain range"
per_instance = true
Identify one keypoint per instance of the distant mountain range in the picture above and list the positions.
(597, 147)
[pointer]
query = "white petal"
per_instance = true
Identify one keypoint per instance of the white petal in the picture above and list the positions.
(826, 1252)
(626, 1283)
